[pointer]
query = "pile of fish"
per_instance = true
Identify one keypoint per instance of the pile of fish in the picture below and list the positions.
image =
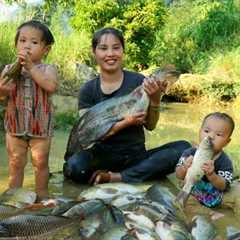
(112, 211)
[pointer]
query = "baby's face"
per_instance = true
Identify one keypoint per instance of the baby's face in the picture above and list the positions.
(219, 131)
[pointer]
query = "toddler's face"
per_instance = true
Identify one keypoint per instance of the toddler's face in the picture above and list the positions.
(219, 131)
(30, 42)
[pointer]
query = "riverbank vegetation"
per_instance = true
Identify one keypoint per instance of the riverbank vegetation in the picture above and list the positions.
(201, 38)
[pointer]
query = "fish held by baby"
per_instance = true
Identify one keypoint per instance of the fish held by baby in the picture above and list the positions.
(203, 154)
(94, 123)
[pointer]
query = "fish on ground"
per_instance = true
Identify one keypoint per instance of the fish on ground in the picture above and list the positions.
(202, 229)
(233, 233)
(18, 197)
(108, 191)
(94, 123)
(33, 226)
(204, 153)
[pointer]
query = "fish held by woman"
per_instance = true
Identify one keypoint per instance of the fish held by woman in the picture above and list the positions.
(96, 122)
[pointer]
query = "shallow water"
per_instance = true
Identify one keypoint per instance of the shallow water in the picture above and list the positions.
(177, 121)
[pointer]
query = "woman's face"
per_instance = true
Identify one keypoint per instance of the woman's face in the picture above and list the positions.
(109, 53)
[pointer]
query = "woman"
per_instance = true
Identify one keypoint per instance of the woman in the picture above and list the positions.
(122, 152)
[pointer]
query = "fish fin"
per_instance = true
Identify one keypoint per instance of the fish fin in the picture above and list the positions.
(81, 112)
(182, 197)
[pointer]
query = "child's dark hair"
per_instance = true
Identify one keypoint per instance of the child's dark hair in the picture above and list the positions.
(47, 36)
(109, 30)
(223, 116)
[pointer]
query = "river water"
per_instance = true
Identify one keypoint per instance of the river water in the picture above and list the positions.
(177, 121)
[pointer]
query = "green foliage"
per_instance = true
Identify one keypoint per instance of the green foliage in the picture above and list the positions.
(7, 48)
(194, 30)
(65, 120)
(137, 19)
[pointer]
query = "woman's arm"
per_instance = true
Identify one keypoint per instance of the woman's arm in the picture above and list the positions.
(155, 90)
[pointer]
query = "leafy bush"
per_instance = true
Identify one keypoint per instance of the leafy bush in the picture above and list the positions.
(193, 30)
(137, 19)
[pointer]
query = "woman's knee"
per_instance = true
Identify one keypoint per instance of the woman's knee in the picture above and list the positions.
(77, 168)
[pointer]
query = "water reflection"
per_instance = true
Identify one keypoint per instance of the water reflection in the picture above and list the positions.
(177, 121)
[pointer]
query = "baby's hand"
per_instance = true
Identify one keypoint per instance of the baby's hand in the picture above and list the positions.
(188, 162)
(208, 168)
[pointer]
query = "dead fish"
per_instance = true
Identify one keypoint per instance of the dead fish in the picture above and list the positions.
(108, 191)
(85, 209)
(195, 172)
(8, 211)
(100, 222)
(18, 197)
(128, 201)
(233, 233)
(114, 233)
(139, 220)
(162, 195)
(13, 72)
(202, 229)
(94, 123)
(32, 226)
(172, 230)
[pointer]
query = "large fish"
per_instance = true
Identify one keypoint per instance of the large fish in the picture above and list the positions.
(94, 123)
(34, 227)
(195, 172)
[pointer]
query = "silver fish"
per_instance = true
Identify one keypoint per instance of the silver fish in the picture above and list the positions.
(195, 172)
(202, 229)
(233, 233)
(18, 197)
(8, 211)
(94, 123)
(32, 226)
(172, 230)
(108, 191)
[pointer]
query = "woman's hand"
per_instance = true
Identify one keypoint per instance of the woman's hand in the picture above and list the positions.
(136, 119)
(155, 89)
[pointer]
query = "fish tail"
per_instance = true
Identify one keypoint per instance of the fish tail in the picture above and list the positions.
(182, 197)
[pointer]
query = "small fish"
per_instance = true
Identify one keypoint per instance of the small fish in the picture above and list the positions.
(171, 230)
(108, 191)
(138, 219)
(195, 172)
(18, 197)
(202, 229)
(85, 209)
(128, 201)
(162, 195)
(115, 233)
(233, 233)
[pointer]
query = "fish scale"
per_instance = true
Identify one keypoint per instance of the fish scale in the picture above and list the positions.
(31, 226)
